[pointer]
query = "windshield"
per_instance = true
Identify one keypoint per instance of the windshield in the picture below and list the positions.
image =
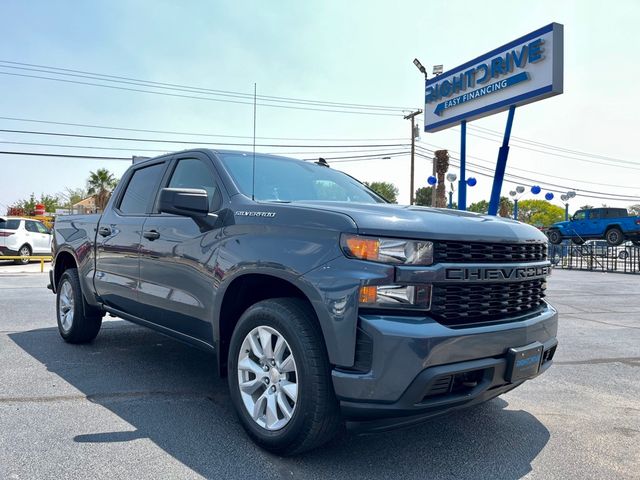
(288, 180)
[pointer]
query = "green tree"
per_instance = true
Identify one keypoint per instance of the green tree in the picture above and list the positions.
(479, 207)
(423, 196)
(101, 183)
(28, 205)
(71, 196)
(539, 212)
(386, 190)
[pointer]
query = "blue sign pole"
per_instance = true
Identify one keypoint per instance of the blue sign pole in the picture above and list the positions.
(501, 165)
(462, 185)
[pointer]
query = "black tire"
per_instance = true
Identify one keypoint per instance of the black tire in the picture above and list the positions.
(577, 240)
(614, 236)
(316, 417)
(24, 251)
(555, 237)
(84, 323)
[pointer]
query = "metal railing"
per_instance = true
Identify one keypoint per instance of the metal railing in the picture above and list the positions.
(595, 257)
(39, 258)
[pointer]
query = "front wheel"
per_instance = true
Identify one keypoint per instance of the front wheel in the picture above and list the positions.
(614, 236)
(77, 321)
(280, 378)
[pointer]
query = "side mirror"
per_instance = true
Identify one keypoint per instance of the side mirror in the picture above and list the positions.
(188, 202)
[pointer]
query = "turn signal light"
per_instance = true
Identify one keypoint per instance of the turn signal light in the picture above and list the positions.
(368, 294)
(362, 247)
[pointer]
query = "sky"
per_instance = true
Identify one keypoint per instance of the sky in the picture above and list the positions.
(357, 52)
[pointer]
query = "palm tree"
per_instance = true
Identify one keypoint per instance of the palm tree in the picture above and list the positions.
(442, 165)
(100, 184)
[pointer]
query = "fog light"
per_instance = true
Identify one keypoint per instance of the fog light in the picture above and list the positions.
(414, 297)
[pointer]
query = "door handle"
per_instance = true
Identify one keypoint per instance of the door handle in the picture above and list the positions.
(151, 235)
(104, 231)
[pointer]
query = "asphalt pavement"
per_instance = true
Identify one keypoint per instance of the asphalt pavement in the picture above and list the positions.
(136, 404)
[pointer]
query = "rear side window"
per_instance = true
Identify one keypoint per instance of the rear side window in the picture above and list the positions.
(141, 189)
(194, 173)
(9, 224)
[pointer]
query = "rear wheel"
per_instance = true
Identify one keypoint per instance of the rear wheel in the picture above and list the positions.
(614, 236)
(555, 237)
(280, 378)
(77, 321)
(25, 251)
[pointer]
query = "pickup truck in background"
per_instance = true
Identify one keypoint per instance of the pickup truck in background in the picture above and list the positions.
(614, 225)
(323, 303)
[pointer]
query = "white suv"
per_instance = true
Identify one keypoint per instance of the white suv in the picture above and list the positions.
(24, 237)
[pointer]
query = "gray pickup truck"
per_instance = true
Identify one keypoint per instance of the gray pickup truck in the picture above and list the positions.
(324, 304)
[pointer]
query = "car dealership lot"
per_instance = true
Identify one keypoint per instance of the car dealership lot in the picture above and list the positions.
(135, 404)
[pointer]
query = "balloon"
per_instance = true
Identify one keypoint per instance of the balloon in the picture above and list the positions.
(471, 181)
(432, 180)
(549, 196)
(536, 189)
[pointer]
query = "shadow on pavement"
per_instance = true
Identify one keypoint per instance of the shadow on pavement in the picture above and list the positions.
(170, 394)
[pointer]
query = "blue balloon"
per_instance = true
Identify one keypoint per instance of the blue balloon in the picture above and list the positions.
(549, 196)
(471, 181)
(536, 189)
(432, 180)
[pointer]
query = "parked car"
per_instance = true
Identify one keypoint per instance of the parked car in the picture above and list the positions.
(611, 224)
(23, 237)
(323, 303)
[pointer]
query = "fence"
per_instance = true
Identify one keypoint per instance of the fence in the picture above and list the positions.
(40, 258)
(596, 257)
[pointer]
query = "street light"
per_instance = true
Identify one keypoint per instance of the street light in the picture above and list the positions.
(516, 194)
(451, 177)
(565, 198)
(420, 67)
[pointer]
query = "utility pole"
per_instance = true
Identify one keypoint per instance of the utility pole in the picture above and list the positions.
(412, 116)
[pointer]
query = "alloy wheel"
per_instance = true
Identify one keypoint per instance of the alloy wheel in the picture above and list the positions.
(268, 378)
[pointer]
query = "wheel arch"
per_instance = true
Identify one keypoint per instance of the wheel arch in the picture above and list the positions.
(246, 289)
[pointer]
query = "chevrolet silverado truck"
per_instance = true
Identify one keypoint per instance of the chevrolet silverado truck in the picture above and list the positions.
(614, 225)
(325, 305)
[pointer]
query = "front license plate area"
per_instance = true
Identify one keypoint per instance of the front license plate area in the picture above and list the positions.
(523, 362)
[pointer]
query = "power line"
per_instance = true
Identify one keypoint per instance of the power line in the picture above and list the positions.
(547, 145)
(63, 155)
(188, 142)
(117, 78)
(165, 132)
(554, 176)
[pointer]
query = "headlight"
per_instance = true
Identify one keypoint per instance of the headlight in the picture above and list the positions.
(387, 250)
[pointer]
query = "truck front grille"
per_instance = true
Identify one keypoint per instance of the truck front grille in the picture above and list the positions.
(472, 303)
(477, 252)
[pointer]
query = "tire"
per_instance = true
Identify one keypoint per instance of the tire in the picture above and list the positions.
(614, 236)
(577, 240)
(77, 321)
(555, 237)
(314, 416)
(24, 251)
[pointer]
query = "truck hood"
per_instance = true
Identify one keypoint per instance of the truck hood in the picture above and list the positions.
(430, 223)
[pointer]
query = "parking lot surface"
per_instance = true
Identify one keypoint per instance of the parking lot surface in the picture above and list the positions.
(135, 404)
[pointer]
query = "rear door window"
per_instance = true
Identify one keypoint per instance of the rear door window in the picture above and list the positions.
(141, 189)
(9, 224)
(30, 226)
(41, 228)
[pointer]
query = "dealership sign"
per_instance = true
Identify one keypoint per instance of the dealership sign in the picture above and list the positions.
(520, 72)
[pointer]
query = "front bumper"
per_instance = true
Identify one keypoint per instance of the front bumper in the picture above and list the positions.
(420, 368)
